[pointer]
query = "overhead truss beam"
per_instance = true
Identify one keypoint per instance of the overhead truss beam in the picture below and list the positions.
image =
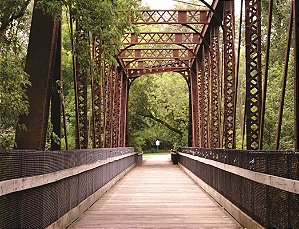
(148, 64)
(132, 73)
(160, 38)
(156, 54)
(170, 17)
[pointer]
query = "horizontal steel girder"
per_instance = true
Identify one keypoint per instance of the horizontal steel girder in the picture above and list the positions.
(151, 64)
(160, 38)
(156, 54)
(170, 17)
(139, 72)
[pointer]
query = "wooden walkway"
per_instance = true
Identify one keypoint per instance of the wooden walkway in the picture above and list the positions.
(156, 195)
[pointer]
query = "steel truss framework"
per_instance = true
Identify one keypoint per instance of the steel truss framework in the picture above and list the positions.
(212, 89)
(253, 72)
(157, 53)
(171, 17)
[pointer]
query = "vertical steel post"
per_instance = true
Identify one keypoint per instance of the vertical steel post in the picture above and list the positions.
(194, 102)
(190, 128)
(229, 75)
(205, 100)
(39, 65)
(106, 102)
(122, 110)
(253, 72)
(116, 108)
(97, 96)
(284, 79)
(296, 74)
(55, 93)
(215, 87)
(111, 104)
(81, 88)
(267, 60)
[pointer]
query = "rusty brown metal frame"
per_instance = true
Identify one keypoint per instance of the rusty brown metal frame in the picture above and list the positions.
(215, 88)
(161, 38)
(284, 78)
(296, 71)
(253, 72)
(157, 53)
(195, 106)
(205, 97)
(97, 104)
(56, 105)
(170, 17)
(81, 84)
(43, 55)
(229, 75)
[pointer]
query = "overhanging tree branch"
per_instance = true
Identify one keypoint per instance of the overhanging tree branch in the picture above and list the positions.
(151, 116)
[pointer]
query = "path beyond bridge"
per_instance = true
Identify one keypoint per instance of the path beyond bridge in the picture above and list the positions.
(156, 195)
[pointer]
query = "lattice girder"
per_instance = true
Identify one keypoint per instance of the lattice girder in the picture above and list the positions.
(156, 63)
(156, 53)
(97, 97)
(81, 84)
(205, 98)
(170, 17)
(253, 72)
(139, 72)
(215, 88)
(229, 75)
(160, 38)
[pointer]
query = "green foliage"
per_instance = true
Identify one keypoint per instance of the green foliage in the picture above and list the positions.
(158, 109)
(106, 20)
(14, 27)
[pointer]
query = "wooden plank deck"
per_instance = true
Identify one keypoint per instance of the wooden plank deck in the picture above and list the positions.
(156, 195)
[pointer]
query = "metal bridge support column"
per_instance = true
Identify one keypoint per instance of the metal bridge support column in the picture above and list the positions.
(116, 109)
(41, 59)
(205, 98)
(195, 108)
(112, 105)
(97, 97)
(81, 84)
(215, 88)
(253, 72)
(107, 106)
(296, 83)
(123, 110)
(229, 75)
(56, 106)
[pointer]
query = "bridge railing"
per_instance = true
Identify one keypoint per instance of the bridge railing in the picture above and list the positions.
(263, 185)
(40, 189)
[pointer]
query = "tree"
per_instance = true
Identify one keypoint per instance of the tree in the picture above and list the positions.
(158, 109)
(14, 27)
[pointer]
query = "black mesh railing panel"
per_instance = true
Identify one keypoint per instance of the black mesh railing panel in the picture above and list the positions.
(279, 203)
(10, 210)
(74, 190)
(32, 208)
(63, 200)
(294, 210)
(271, 207)
(259, 196)
(41, 206)
(51, 202)
(11, 166)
